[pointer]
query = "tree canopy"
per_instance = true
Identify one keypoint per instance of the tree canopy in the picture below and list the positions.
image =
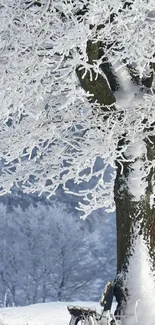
(76, 84)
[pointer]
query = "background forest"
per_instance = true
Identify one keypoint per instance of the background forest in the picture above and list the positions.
(47, 253)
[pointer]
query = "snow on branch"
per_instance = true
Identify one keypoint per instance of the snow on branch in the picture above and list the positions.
(50, 133)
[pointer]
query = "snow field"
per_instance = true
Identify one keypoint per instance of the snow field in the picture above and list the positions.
(53, 313)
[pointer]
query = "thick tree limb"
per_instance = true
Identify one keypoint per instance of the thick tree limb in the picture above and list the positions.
(98, 86)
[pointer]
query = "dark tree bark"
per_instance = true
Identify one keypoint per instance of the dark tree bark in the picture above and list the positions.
(96, 85)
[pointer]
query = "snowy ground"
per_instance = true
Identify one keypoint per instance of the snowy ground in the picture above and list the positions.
(54, 313)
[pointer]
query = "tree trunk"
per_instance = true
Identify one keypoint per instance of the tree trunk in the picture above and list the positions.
(135, 244)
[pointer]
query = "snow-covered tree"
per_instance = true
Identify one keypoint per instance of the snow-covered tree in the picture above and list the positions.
(47, 255)
(11, 257)
(77, 83)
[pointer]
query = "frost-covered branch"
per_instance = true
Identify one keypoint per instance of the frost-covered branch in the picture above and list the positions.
(52, 130)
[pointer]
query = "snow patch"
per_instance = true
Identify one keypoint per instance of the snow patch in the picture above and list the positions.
(136, 182)
(127, 95)
(141, 285)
